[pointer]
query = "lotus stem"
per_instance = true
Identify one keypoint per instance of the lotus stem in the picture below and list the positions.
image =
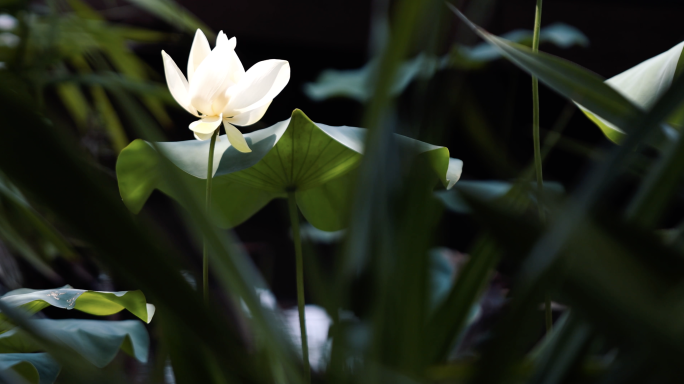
(205, 248)
(296, 236)
(548, 315)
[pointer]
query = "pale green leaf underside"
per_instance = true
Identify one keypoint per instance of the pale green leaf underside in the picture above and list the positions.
(98, 341)
(92, 302)
(314, 160)
(35, 368)
(643, 85)
(357, 83)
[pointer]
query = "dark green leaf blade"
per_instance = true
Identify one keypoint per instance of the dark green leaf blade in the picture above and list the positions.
(564, 77)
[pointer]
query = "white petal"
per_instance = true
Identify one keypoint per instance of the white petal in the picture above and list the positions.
(222, 39)
(454, 172)
(259, 86)
(199, 51)
(151, 309)
(210, 82)
(235, 137)
(235, 68)
(178, 85)
(206, 125)
(249, 117)
(203, 136)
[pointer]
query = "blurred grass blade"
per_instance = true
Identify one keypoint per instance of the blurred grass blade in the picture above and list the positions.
(565, 352)
(175, 15)
(564, 77)
(44, 227)
(131, 251)
(449, 319)
(75, 102)
(20, 245)
(112, 124)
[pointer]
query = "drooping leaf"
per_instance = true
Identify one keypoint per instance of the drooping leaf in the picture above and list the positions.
(357, 83)
(643, 85)
(92, 302)
(568, 79)
(98, 341)
(314, 160)
(36, 368)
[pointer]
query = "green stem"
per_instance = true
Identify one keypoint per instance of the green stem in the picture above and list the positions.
(535, 117)
(294, 218)
(537, 147)
(210, 176)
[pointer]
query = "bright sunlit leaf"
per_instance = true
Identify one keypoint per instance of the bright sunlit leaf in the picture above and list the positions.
(92, 302)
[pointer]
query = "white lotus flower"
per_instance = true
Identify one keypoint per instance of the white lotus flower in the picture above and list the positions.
(218, 89)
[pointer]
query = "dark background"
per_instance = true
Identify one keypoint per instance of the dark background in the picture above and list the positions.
(317, 35)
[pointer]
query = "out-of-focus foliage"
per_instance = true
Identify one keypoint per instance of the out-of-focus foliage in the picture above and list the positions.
(34, 368)
(392, 308)
(68, 48)
(357, 84)
(24, 229)
(95, 341)
(489, 191)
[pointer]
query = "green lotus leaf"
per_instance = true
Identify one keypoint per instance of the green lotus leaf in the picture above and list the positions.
(92, 302)
(357, 84)
(316, 161)
(98, 341)
(643, 85)
(35, 368)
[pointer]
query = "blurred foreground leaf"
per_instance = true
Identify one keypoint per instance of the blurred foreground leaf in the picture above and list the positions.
(35, 368)
(76, 194)
(358, 83)
(490, 190)
(568, 79)
(174, 14)
(98, 341)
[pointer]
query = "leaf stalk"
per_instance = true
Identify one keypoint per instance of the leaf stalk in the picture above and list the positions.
(548, 315)
(205, 248)
(296, 236)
